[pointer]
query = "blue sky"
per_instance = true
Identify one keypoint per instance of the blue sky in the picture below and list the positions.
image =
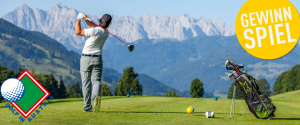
(213, 9)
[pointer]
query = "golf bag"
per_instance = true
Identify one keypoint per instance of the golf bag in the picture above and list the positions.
(259, 104)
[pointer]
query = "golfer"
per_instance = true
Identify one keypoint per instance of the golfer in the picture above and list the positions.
(91, 60)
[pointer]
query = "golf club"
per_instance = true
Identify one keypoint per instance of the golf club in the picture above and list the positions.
(238, 71)
(130, 47)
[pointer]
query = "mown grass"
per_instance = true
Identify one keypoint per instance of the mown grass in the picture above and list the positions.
(158, 110)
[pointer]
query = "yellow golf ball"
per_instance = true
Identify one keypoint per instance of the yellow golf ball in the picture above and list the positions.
(189, 109)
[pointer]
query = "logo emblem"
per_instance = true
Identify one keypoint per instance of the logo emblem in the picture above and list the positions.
(24, 93)
(245, 86)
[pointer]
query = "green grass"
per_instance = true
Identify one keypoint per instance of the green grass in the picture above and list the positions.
(159, 110)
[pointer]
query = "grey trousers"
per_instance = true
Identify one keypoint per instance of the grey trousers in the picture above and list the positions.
(90, 71)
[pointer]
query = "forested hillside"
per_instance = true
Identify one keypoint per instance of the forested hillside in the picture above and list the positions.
(19, 43)
(34, 50)
(288, 81)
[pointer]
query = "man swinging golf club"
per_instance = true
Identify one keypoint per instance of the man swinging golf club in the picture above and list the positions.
(91, 61)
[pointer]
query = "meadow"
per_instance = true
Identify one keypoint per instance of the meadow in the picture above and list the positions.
(158, 110)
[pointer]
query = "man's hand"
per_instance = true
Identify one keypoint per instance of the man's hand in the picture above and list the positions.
(80, 16)
(78, 30)
(85, 17)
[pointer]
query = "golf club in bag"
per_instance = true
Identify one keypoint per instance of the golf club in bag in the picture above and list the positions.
(130, 47)
(259, 104)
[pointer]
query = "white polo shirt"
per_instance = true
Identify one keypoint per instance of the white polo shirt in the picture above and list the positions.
(94, 44)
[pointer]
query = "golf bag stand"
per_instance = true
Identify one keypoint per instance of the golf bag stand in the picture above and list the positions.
(233, 101)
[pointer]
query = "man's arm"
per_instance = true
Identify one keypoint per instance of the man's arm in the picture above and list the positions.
(89, 23)
(78, 29)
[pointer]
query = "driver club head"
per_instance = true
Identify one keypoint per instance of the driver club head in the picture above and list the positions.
(130, 48)
(227, 63)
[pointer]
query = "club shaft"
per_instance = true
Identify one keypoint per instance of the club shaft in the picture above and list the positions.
(106, 30)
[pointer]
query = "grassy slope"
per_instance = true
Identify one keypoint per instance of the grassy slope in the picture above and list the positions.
(159, 110)
(43, 66)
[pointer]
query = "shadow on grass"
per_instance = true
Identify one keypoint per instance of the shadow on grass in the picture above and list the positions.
(218, 118)
(195, 113)
(285, 119)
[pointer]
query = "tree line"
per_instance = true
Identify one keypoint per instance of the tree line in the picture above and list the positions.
(128, 84)
(287, 81)
(57, 88)
(196, 90)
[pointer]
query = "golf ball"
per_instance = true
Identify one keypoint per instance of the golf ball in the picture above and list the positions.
(216, 98)
(189, 109)
(12, 90)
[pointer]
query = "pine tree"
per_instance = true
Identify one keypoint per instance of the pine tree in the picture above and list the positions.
(105, 91)
(68, 91)
(19, 71)
(136, 88)
(62, 91)
(168, 93)
(75, 91)
(197, 90)
(124, 86)
(172, 93)
(53, 85)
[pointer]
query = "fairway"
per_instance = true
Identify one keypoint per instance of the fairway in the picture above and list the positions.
(158, 110)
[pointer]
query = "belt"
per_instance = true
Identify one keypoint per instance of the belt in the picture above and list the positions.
(91, 55)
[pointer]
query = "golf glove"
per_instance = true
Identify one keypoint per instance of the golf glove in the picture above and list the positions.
(80, 16)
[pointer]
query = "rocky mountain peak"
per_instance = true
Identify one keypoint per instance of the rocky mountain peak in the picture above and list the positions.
(23, 7)
(59, 22)
(58, 6)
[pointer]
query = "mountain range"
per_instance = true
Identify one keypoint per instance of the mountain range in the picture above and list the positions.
(35, 50)
(176, 63)
(173, 50)
(59, 22)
